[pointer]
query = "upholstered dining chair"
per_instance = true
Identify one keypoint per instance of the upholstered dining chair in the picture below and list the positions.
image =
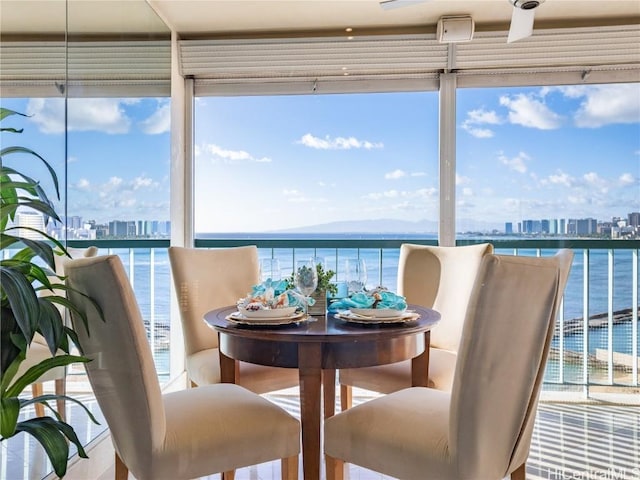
(483, 427)
(206, 279)
(39, 350)
(179, 435)
(437, 277)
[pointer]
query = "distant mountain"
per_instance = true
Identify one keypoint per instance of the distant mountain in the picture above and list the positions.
(384, 225)
(388, 225)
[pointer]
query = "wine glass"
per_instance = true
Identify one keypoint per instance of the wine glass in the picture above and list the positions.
(355, 274)
(270, 269)
(306, 278)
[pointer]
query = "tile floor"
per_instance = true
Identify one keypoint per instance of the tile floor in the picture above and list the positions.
(570, 441)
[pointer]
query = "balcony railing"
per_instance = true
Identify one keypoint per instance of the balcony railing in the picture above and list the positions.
(596, 341)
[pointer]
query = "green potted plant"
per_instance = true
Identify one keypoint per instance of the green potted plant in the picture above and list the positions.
(325, 286)
(25, 271)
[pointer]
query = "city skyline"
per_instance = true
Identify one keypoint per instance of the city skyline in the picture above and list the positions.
(79, 229)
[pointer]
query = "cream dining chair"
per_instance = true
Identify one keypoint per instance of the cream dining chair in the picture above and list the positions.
(482, 428)
(39, 350)
(179, 435)
(437, 277)
(206, 279)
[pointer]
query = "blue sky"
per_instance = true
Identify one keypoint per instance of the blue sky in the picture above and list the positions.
(265, 163)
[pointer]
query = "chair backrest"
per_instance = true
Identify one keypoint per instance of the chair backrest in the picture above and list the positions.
(122, 372)
(501, 360)
(206, 279)
(441, 278)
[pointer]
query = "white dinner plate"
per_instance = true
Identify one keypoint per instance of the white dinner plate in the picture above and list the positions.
(280, 313)
(239, 318)
(349, 316)
(378, 312)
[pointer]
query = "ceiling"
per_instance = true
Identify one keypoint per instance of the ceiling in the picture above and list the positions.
(199, 18)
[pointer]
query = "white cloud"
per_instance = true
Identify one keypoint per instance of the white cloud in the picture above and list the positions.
(395, 175)
(478, 132)
(468, 192)
(84, 114)
(418, 174)
(561, 178)
(143, 182)
(516, 163)
(219, 153)
(626, 179)
(462, 180)
(605, 104)
(530, 112)
(83, 184)
(338, 143)
(596, 181)
(481, 117)
(159, 121)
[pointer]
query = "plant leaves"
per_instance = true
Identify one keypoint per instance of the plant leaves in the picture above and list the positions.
(22, 299)
(9, 413)
(47, 397)
(46, 431)
(35, 372)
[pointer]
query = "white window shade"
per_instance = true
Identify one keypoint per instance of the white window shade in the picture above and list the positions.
(403, 62)
(114, 68)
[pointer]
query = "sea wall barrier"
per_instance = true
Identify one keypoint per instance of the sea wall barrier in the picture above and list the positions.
(598, 320)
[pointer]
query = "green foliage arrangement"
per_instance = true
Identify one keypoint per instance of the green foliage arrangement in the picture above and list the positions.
(324, 280)
(24, 312)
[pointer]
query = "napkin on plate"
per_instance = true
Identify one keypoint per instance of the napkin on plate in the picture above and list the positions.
(385, 299)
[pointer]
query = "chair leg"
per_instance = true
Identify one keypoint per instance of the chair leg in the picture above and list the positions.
(230, 475)
(346, 397)
(122, 472)
(290, 468)
(36, 391)
(520, 473)
(61, 389)
(335, 468)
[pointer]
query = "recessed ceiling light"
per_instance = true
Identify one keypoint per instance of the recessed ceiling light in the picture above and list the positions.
(348, 29)
(349, 38)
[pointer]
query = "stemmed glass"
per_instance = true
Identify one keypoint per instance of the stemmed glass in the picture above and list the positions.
(356, 274)
(306, 279)
(270, 269)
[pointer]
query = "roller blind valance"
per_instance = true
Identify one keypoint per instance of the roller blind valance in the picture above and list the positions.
(409, 62)
(308, 64)
(114, 68)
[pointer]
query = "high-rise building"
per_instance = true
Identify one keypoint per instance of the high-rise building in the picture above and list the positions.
(31, 219)
(634, 219)
(508, 228)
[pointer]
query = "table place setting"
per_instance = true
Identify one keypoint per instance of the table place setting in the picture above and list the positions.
(271, 302)
(377, 306)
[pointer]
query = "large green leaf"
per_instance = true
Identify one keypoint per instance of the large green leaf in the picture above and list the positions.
(50, 324)
(50, 397)
(9, 413)
(46, 430)
(35, 372)
(12, 369)
(22, 299)
(18, 149)
(7, 112)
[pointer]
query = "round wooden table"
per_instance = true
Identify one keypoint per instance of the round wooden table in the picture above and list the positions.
(317, 348)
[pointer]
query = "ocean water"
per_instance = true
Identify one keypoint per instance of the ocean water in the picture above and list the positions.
(153, 291)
